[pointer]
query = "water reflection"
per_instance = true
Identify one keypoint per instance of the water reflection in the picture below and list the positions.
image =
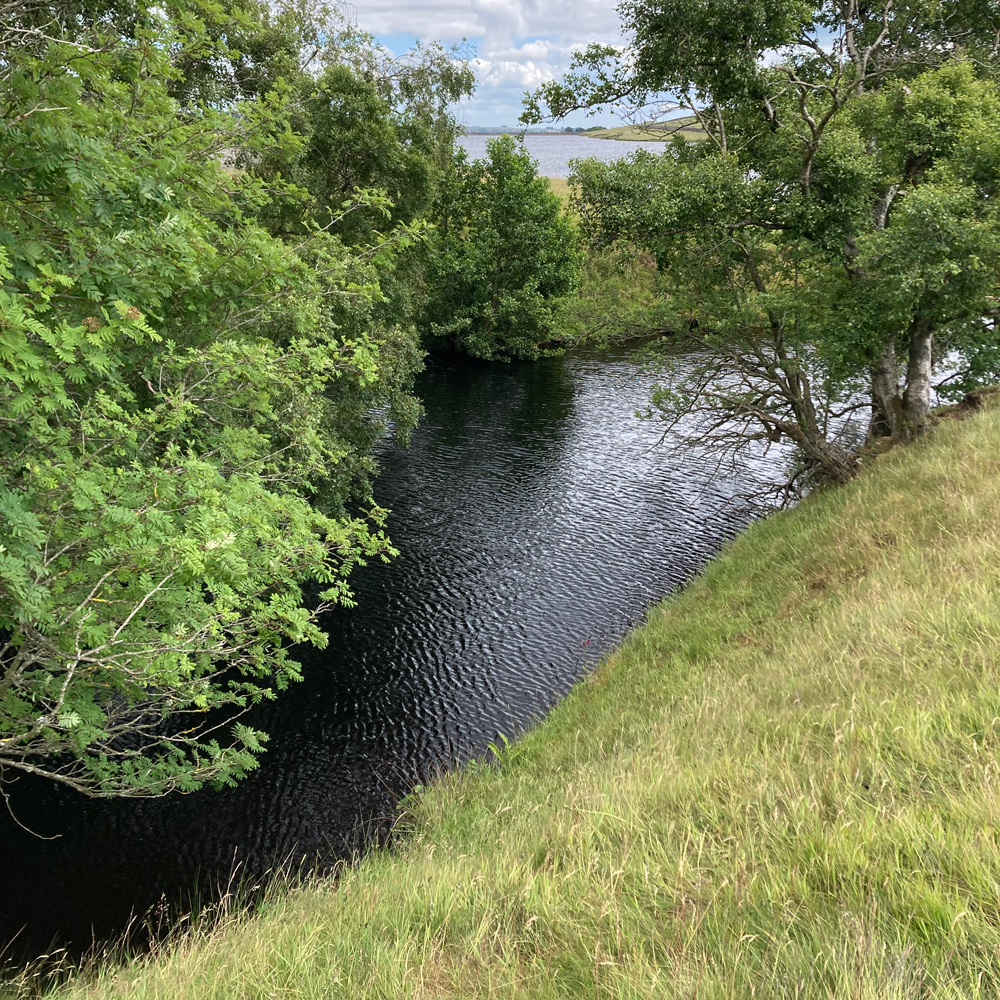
(536, 521)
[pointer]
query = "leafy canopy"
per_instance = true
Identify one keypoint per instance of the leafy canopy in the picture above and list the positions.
(188, 394)
(835, 236)
(501, 257)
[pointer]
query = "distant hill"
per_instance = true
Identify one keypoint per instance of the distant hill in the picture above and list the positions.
(655, 131)
(516, 130)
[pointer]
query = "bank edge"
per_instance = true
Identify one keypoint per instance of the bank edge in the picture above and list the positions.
(784, 785)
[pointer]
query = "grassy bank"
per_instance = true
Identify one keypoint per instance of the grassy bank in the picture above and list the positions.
(786, 785)
(619, 295)
(560, 188)
(687, 127)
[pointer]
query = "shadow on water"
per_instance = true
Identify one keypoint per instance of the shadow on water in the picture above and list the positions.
(535, 523)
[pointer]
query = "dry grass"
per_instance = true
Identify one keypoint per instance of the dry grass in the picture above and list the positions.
(787, 785)
(560, 188)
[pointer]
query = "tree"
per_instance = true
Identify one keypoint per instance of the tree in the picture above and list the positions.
(365, 120)
(501, 256)
(838, 221)
(188, 407)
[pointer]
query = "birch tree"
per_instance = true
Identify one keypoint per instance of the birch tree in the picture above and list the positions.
(834, 237)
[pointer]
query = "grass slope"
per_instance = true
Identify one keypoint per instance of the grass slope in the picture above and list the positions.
(560, 188)
(657, 132)
(786, 785)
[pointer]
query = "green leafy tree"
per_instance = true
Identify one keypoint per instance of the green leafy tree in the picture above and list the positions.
(835, 236)
(501, 257)
(188, 405)
(361, 118)
(364, 120)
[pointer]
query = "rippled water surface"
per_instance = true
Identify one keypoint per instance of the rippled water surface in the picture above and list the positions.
(536, 521)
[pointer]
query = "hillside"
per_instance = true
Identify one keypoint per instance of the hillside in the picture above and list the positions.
(785, 785)
(657, 132)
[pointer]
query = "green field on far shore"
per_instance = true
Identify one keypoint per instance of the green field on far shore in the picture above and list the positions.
(687, 127)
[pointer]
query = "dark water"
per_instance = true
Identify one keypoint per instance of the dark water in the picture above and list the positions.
(536, 522)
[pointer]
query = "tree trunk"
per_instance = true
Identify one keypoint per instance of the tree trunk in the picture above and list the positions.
(833, 462)
(917, 398)
(887, 407)
(881, 425)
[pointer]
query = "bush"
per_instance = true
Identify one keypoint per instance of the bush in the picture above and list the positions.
(500, 259)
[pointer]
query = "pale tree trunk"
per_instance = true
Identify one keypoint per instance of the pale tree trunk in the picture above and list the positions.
(917, 398)
(887, 407)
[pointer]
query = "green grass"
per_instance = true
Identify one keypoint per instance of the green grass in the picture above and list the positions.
(619, 298)
(560, 188)
(687, 127)
(786, 785)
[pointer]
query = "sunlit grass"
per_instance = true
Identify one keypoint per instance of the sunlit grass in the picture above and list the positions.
(687, 126)
(560, 188)
(786, 785)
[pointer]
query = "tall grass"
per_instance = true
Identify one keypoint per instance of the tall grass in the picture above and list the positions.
(785, 785)
(559, 186)
(618, 297)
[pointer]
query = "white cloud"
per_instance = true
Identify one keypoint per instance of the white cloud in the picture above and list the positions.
(520, 43)
(530, 50)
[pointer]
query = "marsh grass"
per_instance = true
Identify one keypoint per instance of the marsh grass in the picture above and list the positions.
(786, 785)
(560, 188)
(618, 296)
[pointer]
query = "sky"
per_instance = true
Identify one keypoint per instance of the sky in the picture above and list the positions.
(518, 44)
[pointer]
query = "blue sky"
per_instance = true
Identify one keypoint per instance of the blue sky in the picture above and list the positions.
(518, 43)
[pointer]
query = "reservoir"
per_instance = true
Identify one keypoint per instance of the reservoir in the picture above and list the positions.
(536, 519)
(554, 152)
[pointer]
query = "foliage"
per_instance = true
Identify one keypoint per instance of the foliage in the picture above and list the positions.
(364, 120)
(781, 786)
(188, 403)
(619, 297)
(500, 258)
(839, 219)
